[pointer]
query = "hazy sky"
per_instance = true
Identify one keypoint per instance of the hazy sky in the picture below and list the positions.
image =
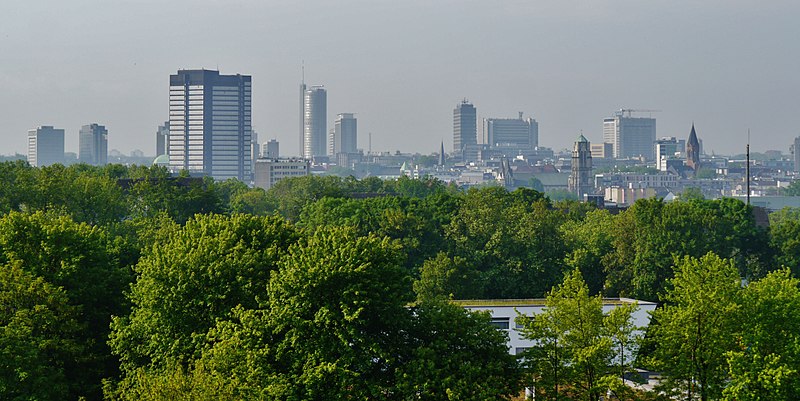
(402, 66)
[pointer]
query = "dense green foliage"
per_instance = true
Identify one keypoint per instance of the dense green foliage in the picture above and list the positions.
(332, 288)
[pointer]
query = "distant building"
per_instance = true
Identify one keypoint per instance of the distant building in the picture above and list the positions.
(602, 150)
(580, 180)
(315, 115)
(210, 124)
(270, 171)
(162, 139)
(465, 128)
(345, 134)
(693, 151)
(665, 150)
(45, 146)
(519, 133)
(630, 136)
(270, 150)
(93, 145)
(796, 153)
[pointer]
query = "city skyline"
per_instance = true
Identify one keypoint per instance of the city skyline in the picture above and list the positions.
(727, 66)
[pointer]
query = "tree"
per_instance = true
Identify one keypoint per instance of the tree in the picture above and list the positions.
(196, 277)
(38, 331)
(75, 257)
(512, 239)
(785, 238)
(443, 277)
(766, 363)
(696, 327)
(455, 354)
(575, 342)
(589, 241)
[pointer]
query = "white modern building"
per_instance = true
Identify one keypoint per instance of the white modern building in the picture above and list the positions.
(345, 134)
(93, 145)
(269, 171)
(315, 123)
(45, 146)
(504, 313)
(630, 136)
(210, 124)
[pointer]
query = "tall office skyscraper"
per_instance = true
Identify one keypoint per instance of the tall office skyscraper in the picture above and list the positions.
(315, 122)
(345, 134)
(630, 136)
(580, 180)
(45, 146)
(93, 145)
(162, 139)
(465, 126)
(511, 132)
(210, 124)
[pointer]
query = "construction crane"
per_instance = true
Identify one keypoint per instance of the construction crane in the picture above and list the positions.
(621, 112)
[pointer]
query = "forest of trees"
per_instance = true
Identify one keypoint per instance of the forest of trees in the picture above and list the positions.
(125, 283)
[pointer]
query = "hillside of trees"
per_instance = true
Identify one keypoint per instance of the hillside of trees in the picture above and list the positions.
(125, 283)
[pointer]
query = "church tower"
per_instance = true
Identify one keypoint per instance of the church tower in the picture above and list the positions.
(693, 151)
(580, 180)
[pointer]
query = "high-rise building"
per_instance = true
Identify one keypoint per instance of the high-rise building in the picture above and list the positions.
(210, 124)
(93, 145)
(580, 180)
(45, 146)
(518, 133)
(795, 149)
(345, 134)
(162, 139)
(693, 151)
(465, 126)
(630, 136)
(666, 149)
(270, 150)
(315, 115)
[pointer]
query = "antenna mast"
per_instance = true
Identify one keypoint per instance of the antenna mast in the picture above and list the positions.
(747, 169)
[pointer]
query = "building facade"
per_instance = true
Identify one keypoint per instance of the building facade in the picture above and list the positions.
(270, 150)
(580, 180)
(630, 136)
(45, 146)
(162, 139)
(795, 148)
(465, 127)
(345, 134)
(269, 171)
(93, 145)
(210, 124)
(518, 133)
(315, 125)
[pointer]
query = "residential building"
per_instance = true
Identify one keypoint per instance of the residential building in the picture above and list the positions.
(269, 171)
(315, 115)
(345, 134)
(580, 180)
(162, 139)
(45, 146)
(93, 145)
(631, 137)
(465, 129)
(517, 133)
(210, 124)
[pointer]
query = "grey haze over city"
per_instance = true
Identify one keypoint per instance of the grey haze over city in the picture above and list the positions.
(402, 66)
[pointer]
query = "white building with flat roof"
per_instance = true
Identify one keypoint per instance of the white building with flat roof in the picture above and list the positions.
(45, 146)
(505, 311)
(269, 171)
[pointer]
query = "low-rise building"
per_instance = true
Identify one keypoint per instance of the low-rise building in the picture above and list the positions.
(269, 171)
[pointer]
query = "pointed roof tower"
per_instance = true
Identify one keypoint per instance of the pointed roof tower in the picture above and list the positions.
(441, 155)
(693, 151)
